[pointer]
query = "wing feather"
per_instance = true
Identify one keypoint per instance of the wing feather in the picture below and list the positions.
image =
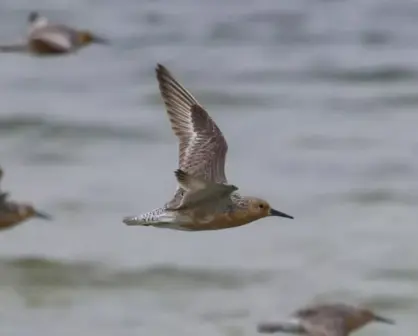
(202, 148)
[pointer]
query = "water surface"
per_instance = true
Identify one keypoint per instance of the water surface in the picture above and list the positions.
(318, 101)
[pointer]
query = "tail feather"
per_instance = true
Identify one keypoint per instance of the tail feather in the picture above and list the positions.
(134, 220)
(273, 327)
(14, 48)
(152, 218)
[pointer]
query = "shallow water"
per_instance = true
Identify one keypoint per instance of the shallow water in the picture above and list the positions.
(318, 102)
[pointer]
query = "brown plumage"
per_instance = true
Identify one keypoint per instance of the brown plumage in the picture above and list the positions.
(202, 152)
(49, 39)
(335, 319)
(13, 213)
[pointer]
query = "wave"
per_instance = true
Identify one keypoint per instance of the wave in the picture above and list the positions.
(54, 273)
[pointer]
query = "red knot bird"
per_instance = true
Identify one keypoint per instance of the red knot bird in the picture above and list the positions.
(45, 38)
(203, 199)
(13, 213)
(325, 320)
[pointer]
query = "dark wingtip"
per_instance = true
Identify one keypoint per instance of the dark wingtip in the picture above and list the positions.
(4, 196)
(33, 15)
(162, 74)
(159, 67)
(180, 174)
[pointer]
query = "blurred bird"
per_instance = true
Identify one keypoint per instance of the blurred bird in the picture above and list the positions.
(13, 213)
(203, 200)
(47, 39)
(325, 320)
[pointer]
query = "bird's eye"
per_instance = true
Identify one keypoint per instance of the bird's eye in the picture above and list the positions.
(261, 206)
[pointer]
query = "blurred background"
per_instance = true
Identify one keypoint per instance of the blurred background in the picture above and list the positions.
(318, 101)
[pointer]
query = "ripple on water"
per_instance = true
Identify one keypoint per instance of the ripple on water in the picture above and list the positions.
(384, 74)
(390, 170)
(51, 129)
(398, 100)
(378, 196)
(324, 142)
(214, 98)
(79, 275)
(395, 274)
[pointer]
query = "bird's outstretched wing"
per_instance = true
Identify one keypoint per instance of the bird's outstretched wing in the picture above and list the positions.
(202, 147)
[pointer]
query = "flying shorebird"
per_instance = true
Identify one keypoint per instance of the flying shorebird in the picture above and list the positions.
(202, 152)
(14, 213)
(336, 319)
(45, 38)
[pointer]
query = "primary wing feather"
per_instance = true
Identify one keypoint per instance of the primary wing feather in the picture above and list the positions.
(202, 147)
(324, 320)
(58, 37)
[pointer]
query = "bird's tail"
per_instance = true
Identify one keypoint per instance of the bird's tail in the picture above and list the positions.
(157, 217)
(14, 48)
(273, 327)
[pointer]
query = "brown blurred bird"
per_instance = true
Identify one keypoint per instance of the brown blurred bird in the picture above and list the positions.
(13, 213)
(325, 320)
(45, 38)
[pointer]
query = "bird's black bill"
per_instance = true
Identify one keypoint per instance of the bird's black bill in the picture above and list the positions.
(100, 40)
(383, 319)
(277, 213)
(43, 215)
